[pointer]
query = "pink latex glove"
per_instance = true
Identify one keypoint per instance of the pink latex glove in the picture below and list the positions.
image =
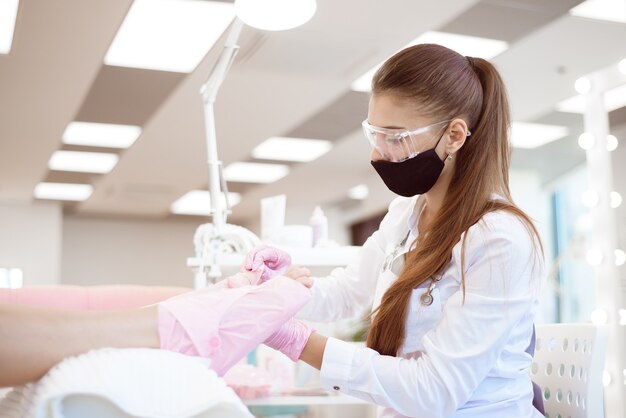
(224, 324)
(269, 261)
(85, 298)
(291, 338)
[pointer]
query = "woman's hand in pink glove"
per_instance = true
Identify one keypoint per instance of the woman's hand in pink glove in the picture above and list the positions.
(269, 261)
(291, 338)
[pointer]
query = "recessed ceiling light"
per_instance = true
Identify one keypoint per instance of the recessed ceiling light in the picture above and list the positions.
(359, 192)
(611, 10)
(291, 149)
(169, 35)
(465, 45)
(613, 99)
(275, 14)
(84, 162)
(198, 202)
(255, 172)
(8, 14)
(533, 135)
(101, 134)
(63, 191)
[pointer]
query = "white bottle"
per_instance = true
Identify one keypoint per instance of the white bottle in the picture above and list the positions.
(319, 224)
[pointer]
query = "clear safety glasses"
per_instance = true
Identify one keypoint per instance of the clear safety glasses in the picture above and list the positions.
(397, 145)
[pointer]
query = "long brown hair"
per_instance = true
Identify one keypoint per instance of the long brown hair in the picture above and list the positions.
(444, 85)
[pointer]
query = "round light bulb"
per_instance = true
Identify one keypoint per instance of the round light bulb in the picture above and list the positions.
(582, 85)
(622, 66)
(599, 317)
(583, 222)
(590, 198)
(606, 378)
(275, 15)
(594, 257)
(611, 143)
(620, 257)
(616, 200)
(586, 141)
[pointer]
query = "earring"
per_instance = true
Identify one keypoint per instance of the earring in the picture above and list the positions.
(449, 156)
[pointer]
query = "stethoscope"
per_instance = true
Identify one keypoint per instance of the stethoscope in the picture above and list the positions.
(426, 299)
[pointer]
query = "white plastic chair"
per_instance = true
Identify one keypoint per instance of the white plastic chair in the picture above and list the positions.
(568, 366)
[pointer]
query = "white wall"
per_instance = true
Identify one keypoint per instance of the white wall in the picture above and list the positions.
(105, 251)
(30, 239)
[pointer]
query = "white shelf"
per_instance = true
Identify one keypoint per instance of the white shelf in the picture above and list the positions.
(323, 256)
(329, 399)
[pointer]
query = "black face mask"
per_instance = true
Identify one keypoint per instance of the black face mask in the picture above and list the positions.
(411, 177)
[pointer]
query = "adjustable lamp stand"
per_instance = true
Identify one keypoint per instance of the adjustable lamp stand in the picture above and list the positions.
(220, 207)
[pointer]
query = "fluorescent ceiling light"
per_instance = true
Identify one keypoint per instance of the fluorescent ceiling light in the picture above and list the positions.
(291, 149)
(465, 45)
(8, 14)
(63, 191)
(472, 46)
(101, 134)
(84, 162)
(359, 192)
(613, 99)
(198, 202)
(533, 135)
(255, 172)
(275, 14)
(612, 10)
(169, 35)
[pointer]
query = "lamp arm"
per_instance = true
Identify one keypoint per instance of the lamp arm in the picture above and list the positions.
(217, 185)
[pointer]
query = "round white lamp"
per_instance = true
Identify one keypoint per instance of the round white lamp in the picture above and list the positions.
(275, 15)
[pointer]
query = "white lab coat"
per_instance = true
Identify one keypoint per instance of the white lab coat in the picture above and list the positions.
(458, 359)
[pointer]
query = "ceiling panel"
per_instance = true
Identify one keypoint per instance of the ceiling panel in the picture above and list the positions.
(127, 96)
(283, 83)
(57, 53)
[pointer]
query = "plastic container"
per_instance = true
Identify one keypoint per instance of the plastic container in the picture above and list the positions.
(319, 224)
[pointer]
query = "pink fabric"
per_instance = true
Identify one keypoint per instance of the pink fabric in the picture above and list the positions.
(269, 261)
(291, 338)
(224, 324)
(89, 298)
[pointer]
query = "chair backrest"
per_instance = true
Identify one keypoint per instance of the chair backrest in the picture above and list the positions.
(568, 366)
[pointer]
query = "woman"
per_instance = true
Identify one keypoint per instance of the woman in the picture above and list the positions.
(455, 270)
(453, 274)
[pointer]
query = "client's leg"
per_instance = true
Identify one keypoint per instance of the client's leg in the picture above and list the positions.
(220, 323)
(33, 340)
(89, 298)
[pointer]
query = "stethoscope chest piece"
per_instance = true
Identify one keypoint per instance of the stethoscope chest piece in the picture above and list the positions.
(426, 299)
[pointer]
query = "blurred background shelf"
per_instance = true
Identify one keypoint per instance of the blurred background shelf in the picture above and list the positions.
(323, 256)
